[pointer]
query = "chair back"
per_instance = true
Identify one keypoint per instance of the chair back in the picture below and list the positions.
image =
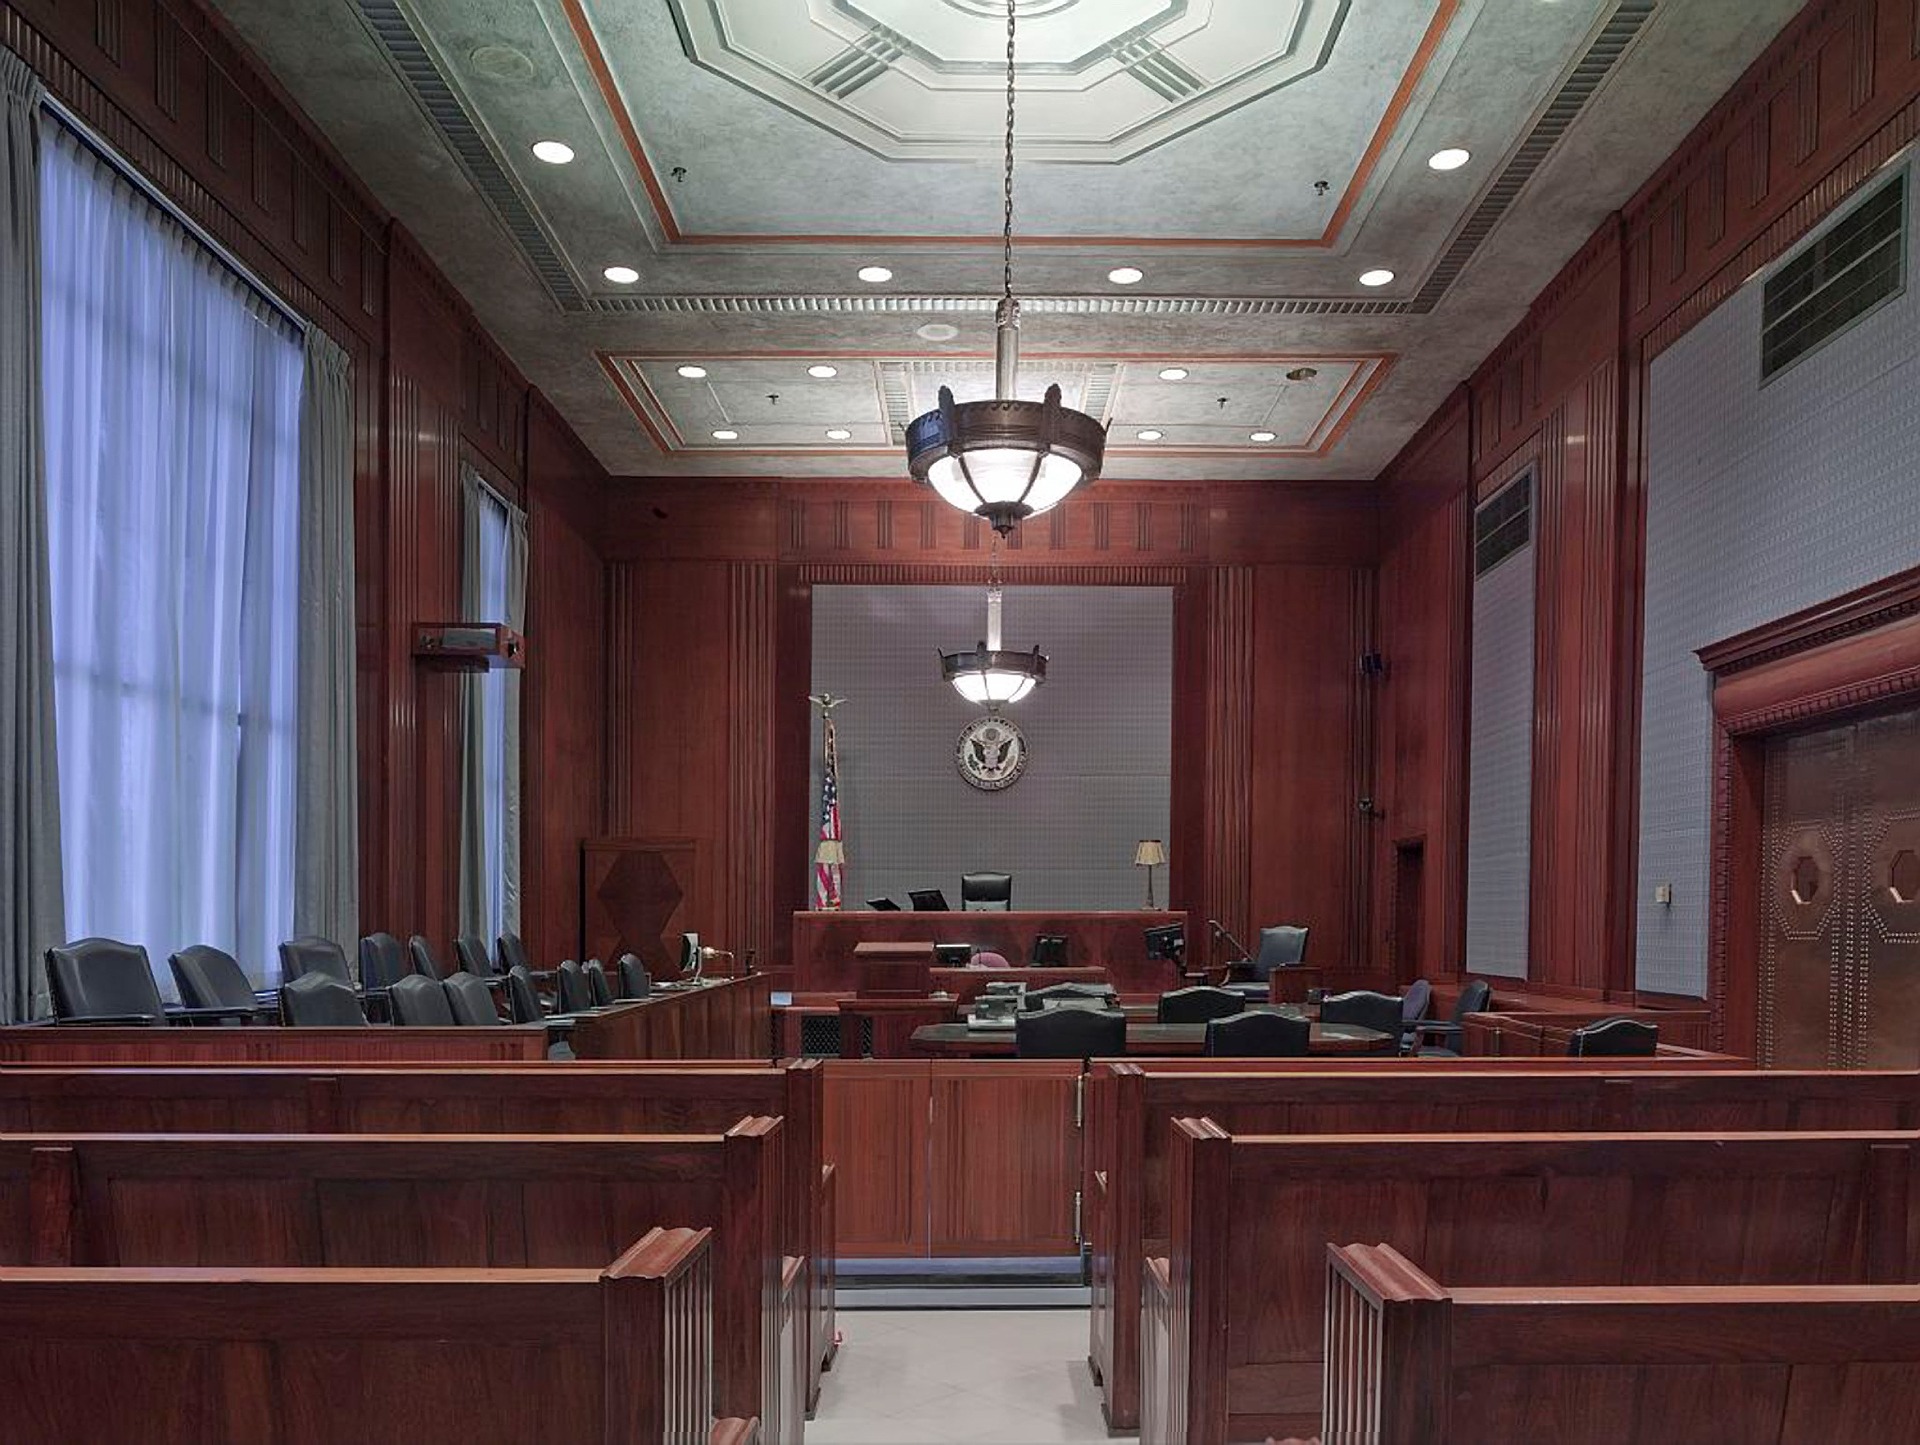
(471, 1001)
(423, 960)
(104, 978)
(1036, 999)
(571, 988)
(420, 1002)
(986, 892)
(207, 977)
(1050, 950)
(383, 961)
(635, 981)
(1367, 1010)
(513, 954)
(1413, 1003)
(319, 1001)
(523, 999)
(313, 954)
(1614, 1039)
(471, 954)
(1070, 1033)
(1198, 1005)
(1258, 1034)
(1473, 999)
(598, 984)
(1281, 946)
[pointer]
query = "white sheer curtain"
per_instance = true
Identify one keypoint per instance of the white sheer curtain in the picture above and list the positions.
(493, 589)
(172, 404)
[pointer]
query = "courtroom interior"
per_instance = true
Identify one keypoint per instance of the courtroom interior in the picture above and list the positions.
(987, 722)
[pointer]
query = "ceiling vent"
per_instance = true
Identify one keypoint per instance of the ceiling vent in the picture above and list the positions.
(1502, 525)
(1836, 278)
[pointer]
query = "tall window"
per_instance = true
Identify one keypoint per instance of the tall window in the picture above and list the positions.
(172, 408)
(493, 589)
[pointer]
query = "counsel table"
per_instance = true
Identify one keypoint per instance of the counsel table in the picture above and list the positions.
(1144, 1038)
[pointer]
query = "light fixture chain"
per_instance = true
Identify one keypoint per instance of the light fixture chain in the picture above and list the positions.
(1008, 232)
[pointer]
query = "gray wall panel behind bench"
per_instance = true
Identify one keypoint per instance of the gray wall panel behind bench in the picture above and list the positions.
(1099, 733)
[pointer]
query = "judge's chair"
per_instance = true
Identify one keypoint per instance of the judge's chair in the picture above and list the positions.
(986, 892)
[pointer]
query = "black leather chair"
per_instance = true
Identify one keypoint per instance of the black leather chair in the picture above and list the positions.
(513, 953)
(1281, 946)
(1070, 1033)
(319, 1001)
(383, 961)
(420, 1002)
(1036, 999)
(1050, 950)
(1199, 1005)
(1258, 1034)
(635, 981)
(214, 986)
(1367, 1010)
(471, 1001)
(1442, 1039)
(573, 994)
(523, 999)
(1614, 1039)
(471, 954)
(1413, 1012)
(421, 952)
(986, 892)
(598, 985)
(104, 981)
(299, 956)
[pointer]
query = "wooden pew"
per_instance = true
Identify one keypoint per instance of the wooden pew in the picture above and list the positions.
(1413, 1363)
(1236, 1303)
(623, 1354)
(1548, 1033)
(412, 1201)
(1130, 1107)
(549, 1099)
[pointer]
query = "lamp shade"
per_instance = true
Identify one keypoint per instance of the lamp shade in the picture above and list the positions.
(1149, 853)
(992, 678)
(832, 853)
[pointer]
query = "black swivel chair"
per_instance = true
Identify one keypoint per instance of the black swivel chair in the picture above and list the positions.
(1259, 1034)
(523, 999)
(1070, 1033)
(1367, 1010)
(513, 954)
(471, 954)
(311, 954)
(635, 981)
(572, 993)
(471, 1001)
(423, 960)
(1614, 1039)
(213, 985)
(598, 985)
(1199, 1005)
(986, 892)
(1413, 1012)
(1281, 946)
(104, 981)
(383, 961)
(420, 1002)
(1036, 999)
(1441, 1040)
(319, 1001)
(1050, 950)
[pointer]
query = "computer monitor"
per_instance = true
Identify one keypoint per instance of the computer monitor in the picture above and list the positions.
(952, 955)
(883, 905)
(928, 900)
(1168, 941)
(690, 955)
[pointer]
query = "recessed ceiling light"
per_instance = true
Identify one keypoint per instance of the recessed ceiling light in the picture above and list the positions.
(1303, 373)
(692, 372)
(1378, 277)
(1450, 159)
(726, 434)
(938, 331)
(621, 275)
(1149, 435)
(1173, 373)
(823, 371)
(874, 275)
(553, 152)
(1262, 436)
(1126, 275)
(838, 434)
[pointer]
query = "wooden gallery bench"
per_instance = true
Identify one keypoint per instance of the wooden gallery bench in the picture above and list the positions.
(621, 1354)
(1233, 1311)
(476, 1099)
(1412, 1363)
(425, 1201)
(1130, 1110)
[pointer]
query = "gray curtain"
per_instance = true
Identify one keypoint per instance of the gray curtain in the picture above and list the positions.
(493, 588)
(326, 878)
(31, 906)
(517, 620)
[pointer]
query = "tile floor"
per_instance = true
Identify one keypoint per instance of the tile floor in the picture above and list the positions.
(989, 1377)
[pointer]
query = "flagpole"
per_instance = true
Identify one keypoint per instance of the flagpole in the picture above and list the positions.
(829, 875)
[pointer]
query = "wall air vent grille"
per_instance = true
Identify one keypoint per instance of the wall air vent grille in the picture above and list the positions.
(1836, 278)
(1502, 525)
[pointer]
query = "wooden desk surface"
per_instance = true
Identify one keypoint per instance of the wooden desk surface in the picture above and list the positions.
(823, 942)
(1142, 1038)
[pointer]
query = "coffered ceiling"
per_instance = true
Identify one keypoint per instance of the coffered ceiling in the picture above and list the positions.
(743, 160)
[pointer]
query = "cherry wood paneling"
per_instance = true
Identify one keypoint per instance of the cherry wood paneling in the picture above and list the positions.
(1005, 1152)
(876, 1134)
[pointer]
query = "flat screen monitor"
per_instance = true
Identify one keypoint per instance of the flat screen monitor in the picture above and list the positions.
(928, 900)
(952, 955)
(1169, 941)
(690, 955)
(883, 905)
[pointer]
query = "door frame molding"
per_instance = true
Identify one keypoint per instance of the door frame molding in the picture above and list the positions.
(1853, 655)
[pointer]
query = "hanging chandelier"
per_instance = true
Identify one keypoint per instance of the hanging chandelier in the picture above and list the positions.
(1005, 460)
(989, 676)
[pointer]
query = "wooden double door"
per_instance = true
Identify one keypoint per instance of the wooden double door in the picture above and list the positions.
(1840, 928)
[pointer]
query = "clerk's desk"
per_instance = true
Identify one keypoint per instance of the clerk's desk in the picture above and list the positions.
(823, 942)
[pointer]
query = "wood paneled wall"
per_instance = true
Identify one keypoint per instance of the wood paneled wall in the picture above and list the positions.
(169, 85)
(709, 662)
(1832, 99)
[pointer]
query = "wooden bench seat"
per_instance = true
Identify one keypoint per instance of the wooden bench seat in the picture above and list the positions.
(1414, 1363)
(621, 1354)
(1250, 1219)
(1131, 1106)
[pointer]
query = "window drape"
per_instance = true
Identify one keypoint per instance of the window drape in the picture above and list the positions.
(172, 404)
(493, 588)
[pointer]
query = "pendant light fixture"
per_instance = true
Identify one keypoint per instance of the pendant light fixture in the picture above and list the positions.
(1005, 460)
(988, 675)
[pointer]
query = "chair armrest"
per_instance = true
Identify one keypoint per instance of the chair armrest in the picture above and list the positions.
(181, 1013)
(97, 1020)
(1437, 1027)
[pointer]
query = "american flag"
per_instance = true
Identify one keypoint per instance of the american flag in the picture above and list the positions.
(826, 876)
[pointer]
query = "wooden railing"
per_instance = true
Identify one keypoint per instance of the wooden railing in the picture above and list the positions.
(1165, 1422)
